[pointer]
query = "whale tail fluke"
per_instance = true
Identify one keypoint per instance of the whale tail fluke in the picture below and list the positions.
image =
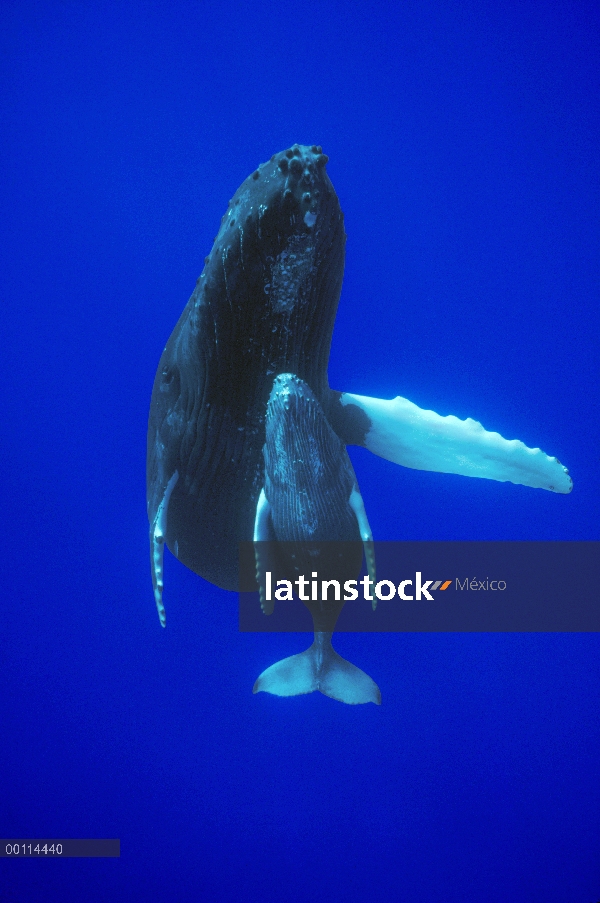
(347, 683)
(319, 668)
(291, 676)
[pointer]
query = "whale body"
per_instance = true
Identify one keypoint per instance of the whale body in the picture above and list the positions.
(265, 304)
(310, 516)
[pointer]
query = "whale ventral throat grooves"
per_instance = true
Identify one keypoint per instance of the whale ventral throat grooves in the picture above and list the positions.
(265, 304)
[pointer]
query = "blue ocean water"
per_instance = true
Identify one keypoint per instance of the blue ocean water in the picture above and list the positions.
(463, 145)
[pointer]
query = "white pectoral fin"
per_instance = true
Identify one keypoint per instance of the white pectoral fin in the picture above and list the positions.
(406, 434)
(158, 531)
(358, 506)
(263, 536)
(261, 521)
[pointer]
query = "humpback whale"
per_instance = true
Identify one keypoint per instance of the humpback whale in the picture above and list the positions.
(310, 514)
(265, 304)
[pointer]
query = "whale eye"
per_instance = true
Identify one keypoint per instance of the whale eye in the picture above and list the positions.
(169, 379)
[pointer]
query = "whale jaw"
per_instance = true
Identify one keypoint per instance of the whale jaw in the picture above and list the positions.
(319, 668)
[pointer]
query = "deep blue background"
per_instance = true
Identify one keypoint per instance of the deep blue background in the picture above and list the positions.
(464, 144)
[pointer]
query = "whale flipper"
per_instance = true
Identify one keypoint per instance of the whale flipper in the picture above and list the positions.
(319, 668)
(400, 431)
(358, 506)
(158, 531)
(263, 535)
